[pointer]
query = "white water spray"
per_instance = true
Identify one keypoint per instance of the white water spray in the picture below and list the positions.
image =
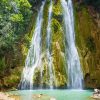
(75, 75)
(49, 57)
(33, 59)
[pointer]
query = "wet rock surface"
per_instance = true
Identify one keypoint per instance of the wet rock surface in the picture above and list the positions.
(96, 94)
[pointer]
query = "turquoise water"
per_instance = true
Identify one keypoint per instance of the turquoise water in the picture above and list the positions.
(57, 94)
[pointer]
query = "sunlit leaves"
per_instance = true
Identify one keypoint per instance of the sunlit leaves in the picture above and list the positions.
(24, 3)
(16, 18)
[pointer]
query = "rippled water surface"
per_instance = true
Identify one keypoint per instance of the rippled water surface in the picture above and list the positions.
(57, 94)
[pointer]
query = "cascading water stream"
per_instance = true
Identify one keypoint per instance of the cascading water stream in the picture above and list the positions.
(33, 59)
(75, 75)
(49, 57)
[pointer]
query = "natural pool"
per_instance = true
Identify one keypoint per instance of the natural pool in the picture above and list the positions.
(57, 94)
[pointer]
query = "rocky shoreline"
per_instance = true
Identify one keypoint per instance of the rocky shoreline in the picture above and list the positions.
(5, 96)
(96, 94)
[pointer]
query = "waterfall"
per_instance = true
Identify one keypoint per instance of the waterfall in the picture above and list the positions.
(48, 43)
(33, 58)
(75, 75)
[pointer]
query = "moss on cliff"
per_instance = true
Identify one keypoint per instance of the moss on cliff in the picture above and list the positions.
(57, 49)
(87, 43)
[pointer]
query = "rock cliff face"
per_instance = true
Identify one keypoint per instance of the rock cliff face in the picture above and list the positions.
(87, 25)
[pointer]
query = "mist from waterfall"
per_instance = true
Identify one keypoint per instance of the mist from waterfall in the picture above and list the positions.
(75, 75)
(48, 46)
(33, 58)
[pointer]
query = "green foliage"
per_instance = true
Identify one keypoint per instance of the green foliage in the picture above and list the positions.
(2, 64)
(57, 9)
(15, 16)
(55, 26)
(91, 44)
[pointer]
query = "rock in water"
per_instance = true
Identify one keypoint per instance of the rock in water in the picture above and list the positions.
(96, 94)
(52, 99)
(42, 97)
